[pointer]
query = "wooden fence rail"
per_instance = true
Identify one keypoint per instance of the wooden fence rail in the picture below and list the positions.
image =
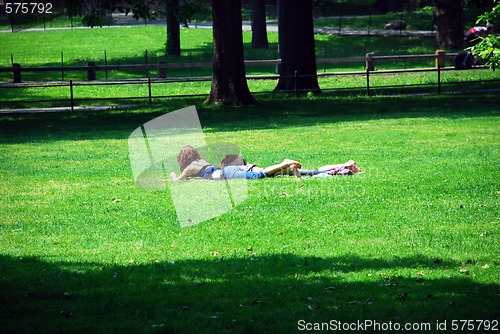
(91, 68)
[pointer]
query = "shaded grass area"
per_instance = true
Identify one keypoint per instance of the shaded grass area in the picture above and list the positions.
(413, 239)
(264, 293)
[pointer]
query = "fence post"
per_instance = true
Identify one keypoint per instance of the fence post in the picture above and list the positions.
(162, 70)
(370, 63)
(440, 62)
(191, 62)
(91, 71)
(440, 58)
(72, 101)
(149, 90)
(16, 73)
(368, 81)
(439, 79)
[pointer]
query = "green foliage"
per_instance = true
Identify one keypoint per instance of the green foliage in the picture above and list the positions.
(94, 13)
(194, 9)
(488, 48)
(427, 10)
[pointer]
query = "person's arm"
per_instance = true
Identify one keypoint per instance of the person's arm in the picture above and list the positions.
(188, 171)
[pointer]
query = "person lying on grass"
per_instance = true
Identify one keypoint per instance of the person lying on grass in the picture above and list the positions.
(193, 165)
(347, 168)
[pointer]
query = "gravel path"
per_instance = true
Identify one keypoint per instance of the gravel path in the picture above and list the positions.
(122, 20)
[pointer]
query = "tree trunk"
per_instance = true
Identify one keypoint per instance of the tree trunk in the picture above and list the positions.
(296, 46)
(173, 45)
(229, 84)
(259, 29)
(449, 24)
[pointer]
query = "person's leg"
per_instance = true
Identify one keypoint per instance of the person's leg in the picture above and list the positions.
(233, 172)
(351, 164)
(280, 168)
(239, 172)
(308, 172)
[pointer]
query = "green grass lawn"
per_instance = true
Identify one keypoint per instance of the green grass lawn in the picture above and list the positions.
(414, 239)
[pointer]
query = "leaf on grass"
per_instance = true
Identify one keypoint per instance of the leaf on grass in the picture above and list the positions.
(464, 271)
(486, 266)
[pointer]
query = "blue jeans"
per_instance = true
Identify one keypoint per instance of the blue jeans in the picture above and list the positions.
(238, 172)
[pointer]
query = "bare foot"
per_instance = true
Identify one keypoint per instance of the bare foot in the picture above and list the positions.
(295, 170)
(292, 162)
(351, 164)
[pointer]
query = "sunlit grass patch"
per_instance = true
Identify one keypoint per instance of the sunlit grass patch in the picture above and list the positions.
(412, 239)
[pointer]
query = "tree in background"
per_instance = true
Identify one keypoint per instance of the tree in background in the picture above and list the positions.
(173, 44)
(259, 28)
(296, 46)
(488, 48)
(180, 12)
(448, 23)
(95, 14)
(229, 83)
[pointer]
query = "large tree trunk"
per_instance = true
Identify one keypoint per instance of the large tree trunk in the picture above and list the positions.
(296, 46)
(173, 45)
(259, 29)
(449, 24)
(229, 84)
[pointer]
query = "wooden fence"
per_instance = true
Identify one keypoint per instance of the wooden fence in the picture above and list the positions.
(161, 67)
(370, 62)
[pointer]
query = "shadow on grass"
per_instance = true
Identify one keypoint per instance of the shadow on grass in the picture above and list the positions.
(274, 112)
(246, 294)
